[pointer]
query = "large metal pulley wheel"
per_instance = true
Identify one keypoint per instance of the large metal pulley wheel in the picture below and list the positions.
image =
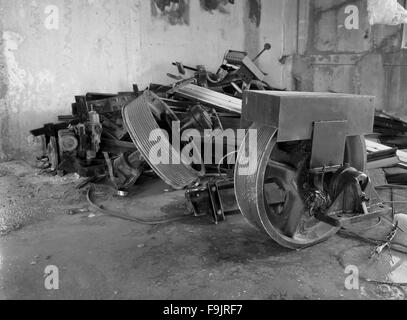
(146, 119)
(271, 197)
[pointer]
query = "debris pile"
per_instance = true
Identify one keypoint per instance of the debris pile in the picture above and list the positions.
(301, 183)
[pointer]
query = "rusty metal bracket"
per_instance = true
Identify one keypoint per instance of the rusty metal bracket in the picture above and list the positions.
(216, 199)
(354, 199)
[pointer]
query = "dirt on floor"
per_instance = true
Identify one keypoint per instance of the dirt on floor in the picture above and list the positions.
(45, 221)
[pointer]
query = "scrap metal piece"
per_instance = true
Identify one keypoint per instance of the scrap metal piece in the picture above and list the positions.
(247, 71)
(216, 199)
(96, 130)
(128, 168)
(53, 154)
(387, 245)
(71, 164)
(67, 142)
(287, 223)
(295, 113)
(198, 118)
(117, 146)
(354, 199)
(145, 133)
(283, 122)
(211, 97)
(200, 200)
(328, 147)
(234, 57)
(374, 146)
(180, 68)
(49, 130)
(112, 104)
(223, 199)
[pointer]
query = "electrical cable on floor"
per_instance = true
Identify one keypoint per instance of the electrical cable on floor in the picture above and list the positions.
(398, 247)
(343, 265)
(91, 196)
(352, 234)
(394, 246)
(402, 248)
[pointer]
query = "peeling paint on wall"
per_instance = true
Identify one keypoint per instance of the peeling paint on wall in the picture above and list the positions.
(219, 5)
(3, 70)
(255, 11)
(176, 12)
(18, 98)
(6, 61)
(17, 77)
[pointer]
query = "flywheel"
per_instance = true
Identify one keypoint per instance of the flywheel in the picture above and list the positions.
(275, 197)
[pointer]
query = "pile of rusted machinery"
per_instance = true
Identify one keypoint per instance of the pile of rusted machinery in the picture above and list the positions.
(293, 163)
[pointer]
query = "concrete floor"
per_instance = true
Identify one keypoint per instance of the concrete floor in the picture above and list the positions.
(105, 258)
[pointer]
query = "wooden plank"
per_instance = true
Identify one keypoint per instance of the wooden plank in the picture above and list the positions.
(374, 147)
(383, 163)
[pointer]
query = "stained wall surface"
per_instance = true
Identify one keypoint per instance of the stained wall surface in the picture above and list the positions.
(52, 50)
(342, 53)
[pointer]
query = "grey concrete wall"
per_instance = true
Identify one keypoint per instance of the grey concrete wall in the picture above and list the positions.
(363, 60)
(52, 50)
